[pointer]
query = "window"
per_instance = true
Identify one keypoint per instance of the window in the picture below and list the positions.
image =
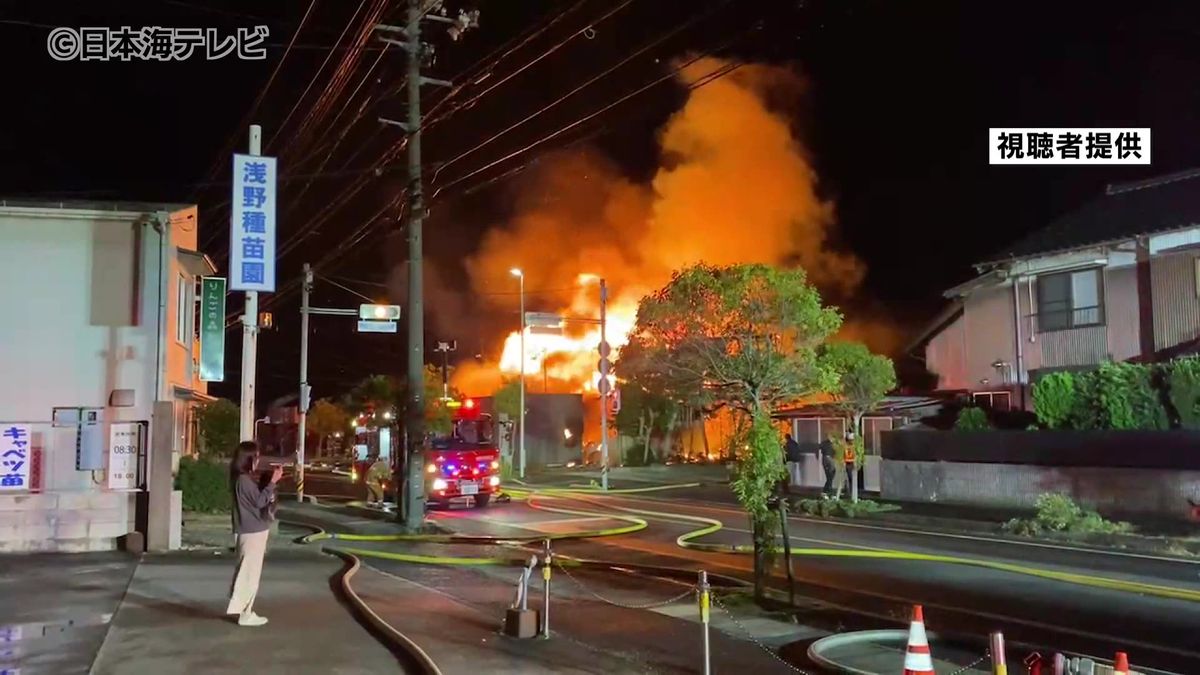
(995, 400)
(1069, 300)
(182, 309)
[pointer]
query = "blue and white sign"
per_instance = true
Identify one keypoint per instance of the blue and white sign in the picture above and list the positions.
(252, 224)
(16, 456)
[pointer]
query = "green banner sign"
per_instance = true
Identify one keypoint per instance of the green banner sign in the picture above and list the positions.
(212, 329)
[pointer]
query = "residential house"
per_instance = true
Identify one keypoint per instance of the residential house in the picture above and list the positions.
(1118, 279)
(99, 301)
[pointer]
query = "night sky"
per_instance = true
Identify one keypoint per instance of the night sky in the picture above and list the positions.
(898, 98)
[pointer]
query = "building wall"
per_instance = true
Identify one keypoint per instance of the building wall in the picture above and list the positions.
(1121, 313)
(82, 297)
(1176, 305)
(1131, 491)
(988, 320)
(946, 356)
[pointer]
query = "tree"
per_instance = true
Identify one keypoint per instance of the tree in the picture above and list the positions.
(641, 414)
(325, 419)
(437, 413)
(972, 419)
(376, 393)
(508, 399)
(864, 379)
(747, 335)
(220, 424)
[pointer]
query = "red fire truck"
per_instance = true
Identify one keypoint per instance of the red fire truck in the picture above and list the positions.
(466, 463)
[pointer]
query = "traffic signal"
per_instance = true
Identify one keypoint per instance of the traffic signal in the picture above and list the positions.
(379, 312)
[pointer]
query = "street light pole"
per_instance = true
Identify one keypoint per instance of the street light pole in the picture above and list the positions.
(521, 441)
(604, 388)
(304, 388)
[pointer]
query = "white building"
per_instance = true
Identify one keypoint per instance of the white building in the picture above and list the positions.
(99, 310)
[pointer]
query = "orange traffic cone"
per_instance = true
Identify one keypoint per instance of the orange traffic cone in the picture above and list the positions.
(1121, 664)
(917, 657)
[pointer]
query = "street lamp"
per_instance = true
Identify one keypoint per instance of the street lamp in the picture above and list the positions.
(520, 275)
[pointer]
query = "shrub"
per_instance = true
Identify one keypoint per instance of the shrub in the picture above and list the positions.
(1183, 387)
(1118, 396)
(1059, 513)
(205, 485)
(1054, 399)
(972, 419)
(842, 508)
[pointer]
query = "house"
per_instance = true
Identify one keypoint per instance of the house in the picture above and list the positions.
(1116, 280)
(100, 340)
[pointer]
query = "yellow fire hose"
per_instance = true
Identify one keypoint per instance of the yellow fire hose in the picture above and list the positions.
(707, 526)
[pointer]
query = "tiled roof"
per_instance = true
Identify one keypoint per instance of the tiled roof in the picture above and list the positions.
(1125, 210)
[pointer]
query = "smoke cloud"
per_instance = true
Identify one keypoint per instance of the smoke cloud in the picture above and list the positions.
(734, 185)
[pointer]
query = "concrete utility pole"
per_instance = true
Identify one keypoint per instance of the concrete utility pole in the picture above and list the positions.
(412, 513)
(305, 390)
(250, 331)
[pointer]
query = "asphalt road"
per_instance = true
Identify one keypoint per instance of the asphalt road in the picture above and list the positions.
(1157, 632)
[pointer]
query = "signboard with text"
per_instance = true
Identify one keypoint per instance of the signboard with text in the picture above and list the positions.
(212, 329)
(16, 456)
(124, 442)
(252, 224)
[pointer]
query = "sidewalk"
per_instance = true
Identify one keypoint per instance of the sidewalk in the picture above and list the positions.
(172, 621)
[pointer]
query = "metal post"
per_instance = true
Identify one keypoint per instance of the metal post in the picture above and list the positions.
(250, 331)
(999, 665)
(546, 590)
(603, 396)
(414, 506)
(304, 390)
(521, 446)
(787, 550)
(704, 603)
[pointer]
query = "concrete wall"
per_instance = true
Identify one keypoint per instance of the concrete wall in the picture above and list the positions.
(1153, 492)
(65, 521)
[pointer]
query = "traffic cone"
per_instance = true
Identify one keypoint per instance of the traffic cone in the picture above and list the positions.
(917, 657)
(1121, 664)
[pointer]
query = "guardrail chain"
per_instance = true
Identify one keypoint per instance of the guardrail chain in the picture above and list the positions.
(750, 636)
(649, 605)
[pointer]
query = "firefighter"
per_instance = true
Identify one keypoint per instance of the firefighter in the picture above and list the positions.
(376, 477)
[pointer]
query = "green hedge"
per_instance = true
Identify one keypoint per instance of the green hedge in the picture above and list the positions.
(1113, 396)
(205, 485)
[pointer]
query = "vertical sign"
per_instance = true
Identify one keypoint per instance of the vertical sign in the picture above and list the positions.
(212, 329)
(16, 456)
(252, 224)
(124, 441)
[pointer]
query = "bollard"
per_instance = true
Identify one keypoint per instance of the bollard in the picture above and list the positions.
(999, 665)
(1060, 664)
(1033, 664)
(704, 601)
(519, 620)
(546, 591)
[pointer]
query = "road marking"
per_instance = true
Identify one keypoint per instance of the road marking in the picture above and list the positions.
(928, 533)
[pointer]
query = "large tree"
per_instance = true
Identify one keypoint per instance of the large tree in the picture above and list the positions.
(324, 420)
(864, 379)
(747, 336)
(219, 424)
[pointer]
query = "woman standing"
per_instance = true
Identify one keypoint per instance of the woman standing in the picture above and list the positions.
(252, 524)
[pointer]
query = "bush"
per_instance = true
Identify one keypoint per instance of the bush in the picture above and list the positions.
(1054, 399)
(842, 508)
(1183, 387)
(1059, 513)
(1118, 396)
(972, 419)
(205, 485)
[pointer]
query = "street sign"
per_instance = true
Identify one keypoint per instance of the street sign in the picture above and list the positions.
(212, 329)
(377, 326)
(604, 386)
(616, 400)
(124, 444)
(543, 320)
(604, 366)
(379, 312)
(605, 349)
(252, 224)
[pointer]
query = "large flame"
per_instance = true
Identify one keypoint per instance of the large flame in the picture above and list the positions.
(734, 186)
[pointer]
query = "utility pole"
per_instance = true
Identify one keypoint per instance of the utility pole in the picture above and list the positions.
(305, 390)
(605, 386)
(412, 513)
(250, 331)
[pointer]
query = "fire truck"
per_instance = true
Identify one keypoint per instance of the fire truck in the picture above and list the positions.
(465, 463)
